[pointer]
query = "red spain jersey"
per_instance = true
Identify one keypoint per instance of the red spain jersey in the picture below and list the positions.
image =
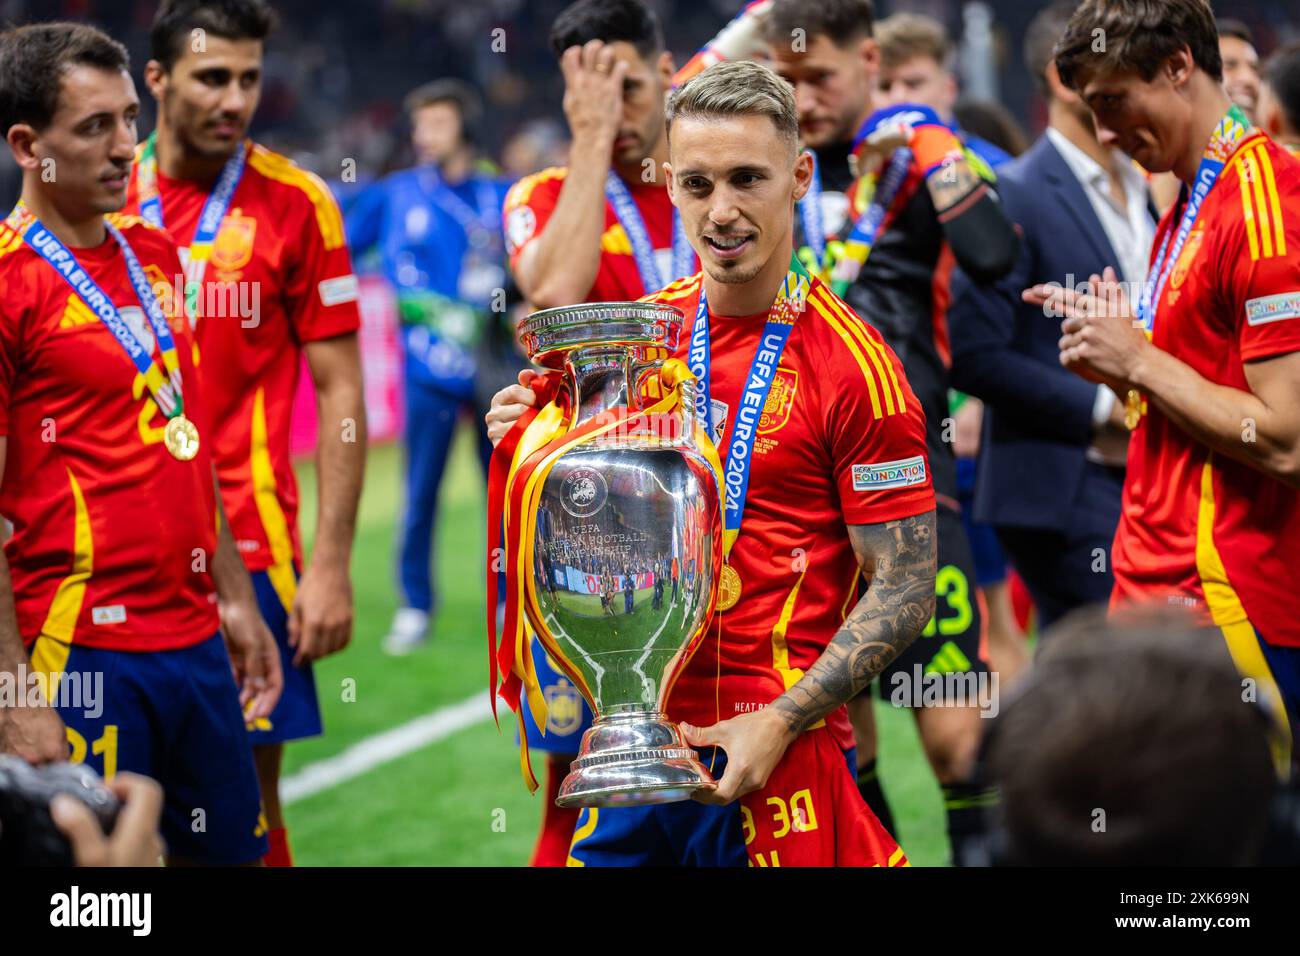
(112, 536)
(1199, 529)
(281, 255)
(529, 205)
(841, 441)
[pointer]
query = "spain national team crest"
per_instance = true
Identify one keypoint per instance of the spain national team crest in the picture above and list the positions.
(1185, 259)
(233, 247)
(780, 400)
(563, 708)
(163, 287)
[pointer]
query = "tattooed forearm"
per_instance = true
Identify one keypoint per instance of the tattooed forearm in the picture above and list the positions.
(899, 557)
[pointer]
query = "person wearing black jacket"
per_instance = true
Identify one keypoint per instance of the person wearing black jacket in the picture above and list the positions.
(944, 213)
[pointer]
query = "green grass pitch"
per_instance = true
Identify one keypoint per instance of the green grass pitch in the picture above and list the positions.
(461, 801)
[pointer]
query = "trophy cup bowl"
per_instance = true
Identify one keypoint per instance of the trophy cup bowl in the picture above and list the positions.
(628, 547)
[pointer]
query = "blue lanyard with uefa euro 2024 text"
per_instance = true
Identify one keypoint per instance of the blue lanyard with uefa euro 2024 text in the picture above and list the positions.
(785, 311)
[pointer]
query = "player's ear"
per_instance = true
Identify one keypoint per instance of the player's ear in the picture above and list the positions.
(869, 54)
(666, 68)
(1179, 66)
(155, 77)
(803, 173)
(21, 139)
(668, 181)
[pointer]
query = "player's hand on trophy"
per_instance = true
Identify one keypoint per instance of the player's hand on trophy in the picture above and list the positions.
(320, 622)
(34, 733)
(593, 94)
(1100, 337)
(135, 840)
(254, 657)
(754, 744)
(509, 405)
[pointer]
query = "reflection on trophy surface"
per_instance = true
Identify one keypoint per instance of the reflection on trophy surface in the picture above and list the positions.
(626, 551)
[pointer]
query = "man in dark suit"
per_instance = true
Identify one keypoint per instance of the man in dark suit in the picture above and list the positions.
(1051, 472)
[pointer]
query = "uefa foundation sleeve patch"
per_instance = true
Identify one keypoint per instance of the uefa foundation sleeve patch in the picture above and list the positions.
(882, 476)
(1273, 308)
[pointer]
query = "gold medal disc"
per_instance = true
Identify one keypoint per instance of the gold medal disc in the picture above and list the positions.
(728, 588)
(181, 438)
(1132, 409)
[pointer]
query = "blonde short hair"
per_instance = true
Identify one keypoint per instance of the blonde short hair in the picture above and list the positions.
(738, 88)
(905, 36)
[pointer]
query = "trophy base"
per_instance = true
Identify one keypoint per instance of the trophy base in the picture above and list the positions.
(633, 759)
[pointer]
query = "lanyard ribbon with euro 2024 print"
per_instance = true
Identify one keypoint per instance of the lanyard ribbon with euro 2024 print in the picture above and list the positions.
(210, 218)
(630, 218)
(1232, 129)
(180, 436)
(790, 302)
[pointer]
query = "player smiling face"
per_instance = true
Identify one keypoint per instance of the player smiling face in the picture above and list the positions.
(84, 153)
(208, 97)
(735, 178)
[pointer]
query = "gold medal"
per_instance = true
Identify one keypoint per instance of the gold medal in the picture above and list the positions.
(728, 588)
(1132, 409)
(181, 438)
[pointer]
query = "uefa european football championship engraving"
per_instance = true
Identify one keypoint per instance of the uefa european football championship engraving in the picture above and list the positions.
(625, 543)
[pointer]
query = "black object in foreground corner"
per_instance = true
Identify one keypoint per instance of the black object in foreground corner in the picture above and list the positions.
(28, 836)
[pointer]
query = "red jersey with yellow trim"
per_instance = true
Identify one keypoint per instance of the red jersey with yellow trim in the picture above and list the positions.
(529, 205)
(112, 536)
(1199, 529)
(281, 255)
(841, 441)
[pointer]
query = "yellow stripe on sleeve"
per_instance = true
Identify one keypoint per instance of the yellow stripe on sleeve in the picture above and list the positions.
(879, 356)
(1248, 212)
(329, 220)
(1275, 204)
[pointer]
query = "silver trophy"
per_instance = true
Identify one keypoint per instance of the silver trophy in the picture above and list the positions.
(627, 549)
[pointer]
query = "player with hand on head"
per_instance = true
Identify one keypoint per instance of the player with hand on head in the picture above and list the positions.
(1207, 362)
(437, 227)
(119, 538)
(256, 230)
(838, 487)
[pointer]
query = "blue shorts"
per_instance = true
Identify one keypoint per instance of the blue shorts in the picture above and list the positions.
(297, 715)
(174, 716)
(567, 713)
(687, 833)
(1276, 672)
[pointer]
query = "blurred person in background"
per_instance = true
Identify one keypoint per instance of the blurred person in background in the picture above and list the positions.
(437, 227)
(250, 222)
(917, 59)
(1279, 100)
(1052, 466)
(539, 144)
(602, 229)
(992, 122)
(1241, 76)
(1130, 744)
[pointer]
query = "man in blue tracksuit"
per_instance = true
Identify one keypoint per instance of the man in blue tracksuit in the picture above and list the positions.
(437, 230)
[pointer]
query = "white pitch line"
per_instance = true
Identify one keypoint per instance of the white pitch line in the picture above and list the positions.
(385, 747)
